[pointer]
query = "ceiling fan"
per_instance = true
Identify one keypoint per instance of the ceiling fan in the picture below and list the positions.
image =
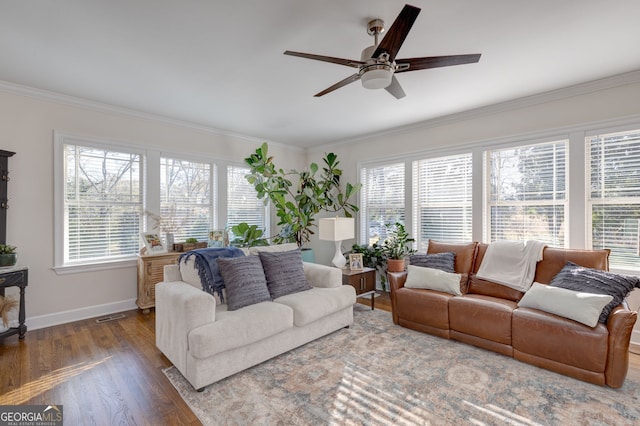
(378, 64)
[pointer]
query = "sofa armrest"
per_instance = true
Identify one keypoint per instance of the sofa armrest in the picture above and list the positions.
(172, 273)
(180, 308)
(396, 282)
(620, 325)
(322, 275)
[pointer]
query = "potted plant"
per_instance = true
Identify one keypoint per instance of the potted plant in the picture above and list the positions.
(396, 246)
(246, 235)
(8, 255)
(373, 257)
(299, 195)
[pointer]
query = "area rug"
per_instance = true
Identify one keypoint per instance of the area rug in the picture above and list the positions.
(377, 373)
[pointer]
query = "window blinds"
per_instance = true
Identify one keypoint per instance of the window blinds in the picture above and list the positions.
(526, 193)
(243, 204)
(442, 199)
(613, 207)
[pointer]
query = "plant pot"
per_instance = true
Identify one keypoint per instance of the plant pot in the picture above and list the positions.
(9, 259)
(395, 265)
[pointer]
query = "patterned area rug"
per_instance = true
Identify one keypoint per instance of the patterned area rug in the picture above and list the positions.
(376, 373)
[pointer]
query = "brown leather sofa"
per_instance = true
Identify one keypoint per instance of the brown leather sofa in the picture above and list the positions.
(487, 315)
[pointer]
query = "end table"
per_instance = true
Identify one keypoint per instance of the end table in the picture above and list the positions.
(364, 281)
(15, 276)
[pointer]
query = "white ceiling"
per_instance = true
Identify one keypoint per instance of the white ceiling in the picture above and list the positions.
(220, 63)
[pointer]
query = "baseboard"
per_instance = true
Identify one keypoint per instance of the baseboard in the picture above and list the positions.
(42, 321)
(634, 345)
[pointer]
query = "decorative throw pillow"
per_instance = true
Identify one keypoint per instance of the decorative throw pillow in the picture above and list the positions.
(432, 279)
(443, 261)
(244, 281)
(579, 278)
(578, 306)
(284, 272)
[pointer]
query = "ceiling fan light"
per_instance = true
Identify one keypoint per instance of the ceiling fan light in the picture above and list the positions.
(376, 78)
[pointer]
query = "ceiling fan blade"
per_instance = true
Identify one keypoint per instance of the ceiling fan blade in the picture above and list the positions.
(395, 89)
(436, 61)
(350, 79)
(339, 61)
(398, 31)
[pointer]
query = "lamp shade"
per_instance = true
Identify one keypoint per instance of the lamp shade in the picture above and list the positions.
(336, 228)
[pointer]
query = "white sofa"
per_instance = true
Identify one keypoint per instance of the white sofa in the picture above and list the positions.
(206, 342)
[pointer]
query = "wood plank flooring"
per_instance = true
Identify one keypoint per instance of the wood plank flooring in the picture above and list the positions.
(105, 374)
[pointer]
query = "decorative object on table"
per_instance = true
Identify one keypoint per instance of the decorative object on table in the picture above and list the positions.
(8, 255)
(337, 229)
(246, 235)
(356, 262)
(192, 244)
(218, 238)
(372, 257)
(7, 304)
(297, 203)
(169, 222)
(396, 246)
(152, 242)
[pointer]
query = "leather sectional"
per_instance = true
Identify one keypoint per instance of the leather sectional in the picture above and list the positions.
(487, 315)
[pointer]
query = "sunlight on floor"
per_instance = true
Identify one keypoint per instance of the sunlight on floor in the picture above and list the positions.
(359, 398)
(48, 381)
(503, 415)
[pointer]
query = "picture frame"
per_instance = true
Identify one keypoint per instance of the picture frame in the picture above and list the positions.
(152, 242)
(218, 238)
(356, 262)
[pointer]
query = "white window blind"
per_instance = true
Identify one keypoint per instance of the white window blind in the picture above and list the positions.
(243, 204)
(102, 203)
(613, 176)
(186, 198)
(381, 200)
(526, 193)
(442, 199)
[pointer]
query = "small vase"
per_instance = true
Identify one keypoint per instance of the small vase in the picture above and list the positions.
(169, 241)
(8, 259)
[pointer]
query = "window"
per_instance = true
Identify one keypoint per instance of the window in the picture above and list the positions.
(102, 203)
(613, 202)
(186, 197)
(526, 193)
(442, 200)
(381, 200)
(242, 203)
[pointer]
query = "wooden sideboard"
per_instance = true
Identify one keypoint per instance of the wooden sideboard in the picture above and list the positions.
(150, 273)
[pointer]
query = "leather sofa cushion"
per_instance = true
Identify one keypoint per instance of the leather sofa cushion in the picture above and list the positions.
(489, 288)
(482, 316)
(311, 305)
(554, 259)
(463, 263)
(233, 329)
(559, 339)
(426, 307)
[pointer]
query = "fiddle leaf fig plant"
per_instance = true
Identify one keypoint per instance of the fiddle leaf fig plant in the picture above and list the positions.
(298, 196)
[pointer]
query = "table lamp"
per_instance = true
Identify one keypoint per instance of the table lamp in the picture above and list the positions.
(337, 229)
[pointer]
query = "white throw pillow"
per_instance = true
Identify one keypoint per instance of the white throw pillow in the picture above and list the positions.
(432, 279)
(576, 305)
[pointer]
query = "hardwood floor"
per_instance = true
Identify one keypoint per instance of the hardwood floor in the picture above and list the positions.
(109, 373)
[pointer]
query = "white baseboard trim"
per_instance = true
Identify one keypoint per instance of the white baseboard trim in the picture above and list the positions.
(634, 345)
(58, 318)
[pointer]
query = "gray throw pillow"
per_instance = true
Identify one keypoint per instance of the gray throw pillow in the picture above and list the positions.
(284, 272)
(442, 261)
(587, 280)
(244, 280)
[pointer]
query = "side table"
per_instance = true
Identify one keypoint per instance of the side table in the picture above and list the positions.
(364, 281)
(150, 273)
(15, 276)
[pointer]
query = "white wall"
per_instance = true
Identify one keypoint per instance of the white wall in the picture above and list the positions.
(592, 106)
(26, 127)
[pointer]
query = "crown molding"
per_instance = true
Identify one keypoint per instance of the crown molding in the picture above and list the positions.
(532, 100)
(46, 95)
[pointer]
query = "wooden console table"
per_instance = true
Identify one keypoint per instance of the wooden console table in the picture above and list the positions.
(15, 276)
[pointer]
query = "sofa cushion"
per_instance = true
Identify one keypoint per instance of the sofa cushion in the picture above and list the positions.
(311, 305)
(578, 306)
(427, 307)
(273, 248)
(284, 272)
(482, 316)
(442, 261)
(234, 329)
(244, 280)
(579, 278)
(432, 279)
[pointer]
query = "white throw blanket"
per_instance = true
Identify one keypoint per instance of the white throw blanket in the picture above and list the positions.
(511, 263)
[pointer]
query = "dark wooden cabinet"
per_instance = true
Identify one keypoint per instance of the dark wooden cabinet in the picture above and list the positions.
(15, 276)
(363, 281)
(4, 197)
